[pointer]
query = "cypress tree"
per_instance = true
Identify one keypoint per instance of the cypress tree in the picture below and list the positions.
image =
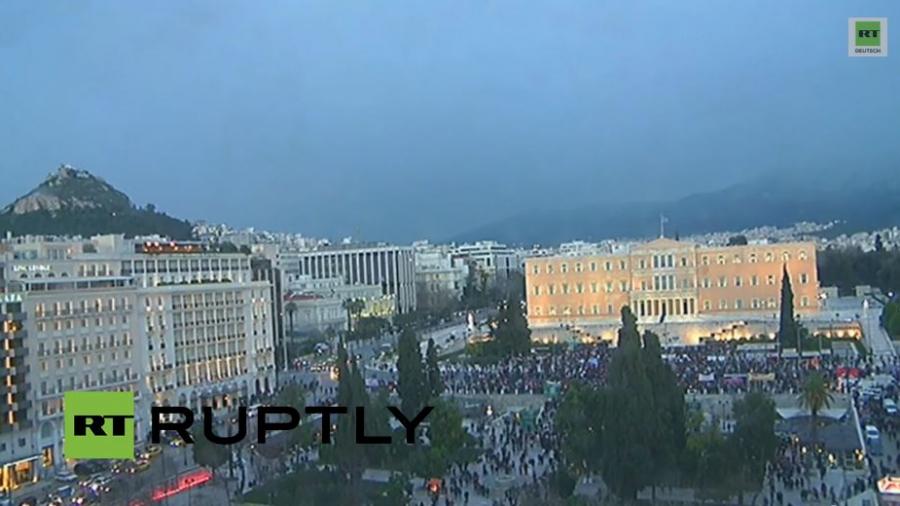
(435, 382)
(788, 335)
(512, 335)
(411, 380)
(627, 441)
(346, 454)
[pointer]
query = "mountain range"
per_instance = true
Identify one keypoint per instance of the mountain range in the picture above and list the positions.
(75, 202)
(859, 203)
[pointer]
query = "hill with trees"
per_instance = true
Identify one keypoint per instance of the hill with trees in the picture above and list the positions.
(75, 202)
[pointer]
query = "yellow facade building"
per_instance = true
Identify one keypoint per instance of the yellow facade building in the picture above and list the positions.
(683, 281)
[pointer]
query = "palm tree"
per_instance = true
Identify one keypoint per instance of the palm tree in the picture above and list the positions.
(354, 307)
(291, 308)
(815, 396)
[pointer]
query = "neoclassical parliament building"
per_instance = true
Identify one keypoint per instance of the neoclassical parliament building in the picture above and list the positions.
(669, 281)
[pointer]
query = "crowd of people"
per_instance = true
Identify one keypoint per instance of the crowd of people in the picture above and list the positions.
(528, 374)
(713, 368)
(516, 458)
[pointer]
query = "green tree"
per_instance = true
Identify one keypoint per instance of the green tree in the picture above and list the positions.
(754, 438)
(396, 492)
(433, 371)
(890, 318)
(712, 460)
(475, 289)
(667, 432)
(368, 328)
(511, 336)
(295, 396)
(633, 430)
(348, 456)
(737, 240)
(353, 307)
(788, 335)
(627, 437)
(815, 396)
(447, 439)
(411, 379)
(580, 424)
(378, 424)
(206, 453)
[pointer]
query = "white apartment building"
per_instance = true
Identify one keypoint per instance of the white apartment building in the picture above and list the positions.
(79, 334)
(437, 270)
(497, 260)
(392, 268)
(174, 323)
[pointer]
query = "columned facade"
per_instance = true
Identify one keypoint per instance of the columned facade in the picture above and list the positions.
(669, 281)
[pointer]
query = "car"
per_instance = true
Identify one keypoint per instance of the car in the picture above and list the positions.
(153, 451)
(66, 476)
(873, 440)
(28, 501)
(890, 407)
(140, 466)
(91, 467)
(870, 392)
(872, 433)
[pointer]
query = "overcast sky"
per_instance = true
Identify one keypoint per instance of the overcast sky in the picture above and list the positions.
(405, 119)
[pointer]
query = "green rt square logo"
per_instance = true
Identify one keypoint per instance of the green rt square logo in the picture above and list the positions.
(868, 37)
(868, 33)
(99, 425)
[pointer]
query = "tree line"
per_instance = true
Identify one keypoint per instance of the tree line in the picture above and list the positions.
(637, 432)
(849, 267)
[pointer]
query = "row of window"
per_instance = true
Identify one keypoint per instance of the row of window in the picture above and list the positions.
(88, 380)
(668, 261)
(198, 300)
(663, 282)
(82, 307)
(608, 266)
(769, 256)
(72, 345)
(209, 353)
(183, 265)
(567, 310)
(722, 281)
(673, 307)
(566, 288)
(52, 407)
(84, 324)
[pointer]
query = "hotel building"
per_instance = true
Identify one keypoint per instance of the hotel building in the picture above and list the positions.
(174, 323)
(17, 455)
(671, 281)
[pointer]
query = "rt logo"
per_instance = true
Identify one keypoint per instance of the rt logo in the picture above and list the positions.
(868, 33)
(868, 37)
(99, 425)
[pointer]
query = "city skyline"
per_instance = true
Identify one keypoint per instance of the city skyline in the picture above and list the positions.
(493, 105)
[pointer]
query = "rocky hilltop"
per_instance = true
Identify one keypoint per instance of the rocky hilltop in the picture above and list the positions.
(72, 201)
